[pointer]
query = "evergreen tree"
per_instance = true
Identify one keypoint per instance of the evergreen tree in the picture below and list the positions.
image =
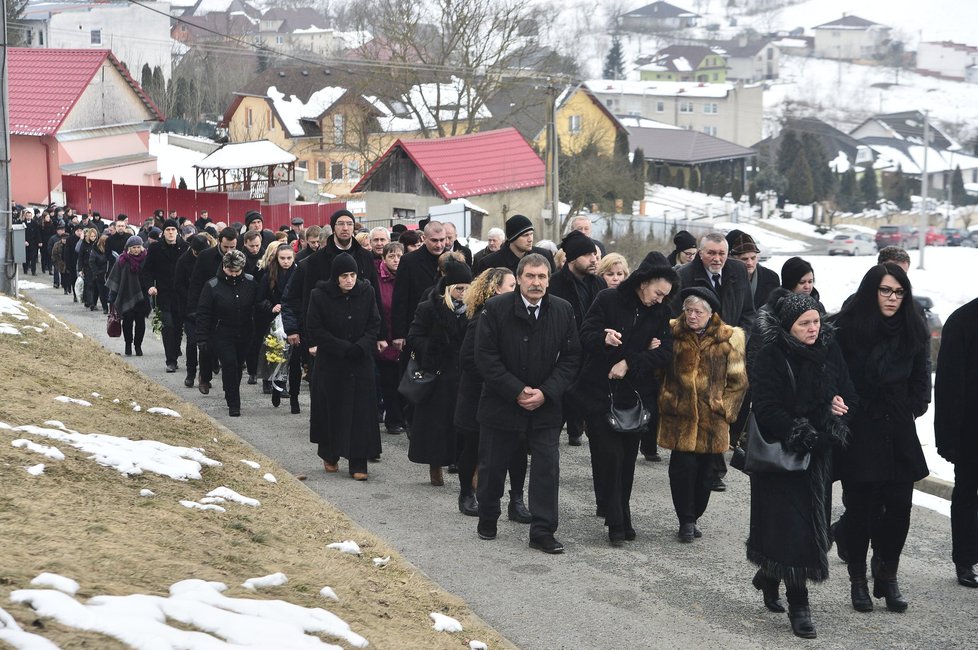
(801, 187)
(621, 145)
(823, 179)
(868, 189)
(158, 93)
(638, 164)
(181, 98)
(182, 185)
(958, 195)
(848, 197)
(146, 79)
(788, 151)
(695, 179)
(614, 64)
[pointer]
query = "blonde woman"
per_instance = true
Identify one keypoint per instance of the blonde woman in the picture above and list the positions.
(613, 268)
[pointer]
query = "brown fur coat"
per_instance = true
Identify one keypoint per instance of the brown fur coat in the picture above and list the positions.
(703, 387)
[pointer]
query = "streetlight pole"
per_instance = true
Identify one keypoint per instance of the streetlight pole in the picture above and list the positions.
(922, 242)
(7, 281)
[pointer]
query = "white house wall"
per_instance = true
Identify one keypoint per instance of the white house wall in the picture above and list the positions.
(109, 100)
(945, 61)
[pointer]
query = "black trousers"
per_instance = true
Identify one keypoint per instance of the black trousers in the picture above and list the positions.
(231, 351)
(190, 329)
(650, 438)
(468, 461)
(356, 464)
(101, 291)
(172, 334)
(879, 511)
(496, 448)
(68, 282)
(691, 480)
(133, 328)
(31, 262)
(254, 347)
(389, 373)
(964, 512)
(613, 460)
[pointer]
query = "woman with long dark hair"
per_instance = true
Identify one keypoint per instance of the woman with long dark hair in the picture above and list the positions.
(129, 292)
(88, 241)
(388, 360)
(271, 289)
(801, 397)
(97, 262)
(884, 340)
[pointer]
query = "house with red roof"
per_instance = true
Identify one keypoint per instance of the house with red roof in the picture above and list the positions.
(76, 112)
(498, 170)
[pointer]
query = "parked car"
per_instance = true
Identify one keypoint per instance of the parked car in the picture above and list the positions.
(852, 244)
(895, 236)
(934, 237)
(955, 236)
(934, 325)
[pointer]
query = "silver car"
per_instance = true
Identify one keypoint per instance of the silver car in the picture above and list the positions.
(852, 243)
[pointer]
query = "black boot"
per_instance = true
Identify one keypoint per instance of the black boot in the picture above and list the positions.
(294, 404)
(859, 589)
(128, 349)
(276, 398)
(801, 621)
(769, 589)
(885, 586)
(517, 509)
(468, 505)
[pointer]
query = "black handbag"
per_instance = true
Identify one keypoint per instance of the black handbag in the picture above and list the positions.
(416, 384)
(633, 419)
(771, 457)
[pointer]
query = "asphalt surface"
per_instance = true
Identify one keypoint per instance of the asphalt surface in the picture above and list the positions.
(653, 593)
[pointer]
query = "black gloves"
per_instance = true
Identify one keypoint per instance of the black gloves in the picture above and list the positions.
(803, 436)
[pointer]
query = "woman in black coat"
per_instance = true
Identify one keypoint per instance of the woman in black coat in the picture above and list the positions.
(89, 239)
(271, 296)
(435, 337)
(885, 343)
(802, 394)
(342, 324)
(491, 282)
(625, 338)
(97, 263)
(225, 317)
(129, 293)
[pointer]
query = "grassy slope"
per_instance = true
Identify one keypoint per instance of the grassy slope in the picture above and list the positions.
(89, 523)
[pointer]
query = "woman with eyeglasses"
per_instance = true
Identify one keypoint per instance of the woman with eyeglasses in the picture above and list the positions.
(884, 342)
(685, 251)
(435, 338)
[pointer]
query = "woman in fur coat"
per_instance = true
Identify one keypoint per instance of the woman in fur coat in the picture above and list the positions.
(701, 394)
(802, 393)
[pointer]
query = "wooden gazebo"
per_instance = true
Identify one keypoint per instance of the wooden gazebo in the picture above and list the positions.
(251, 167)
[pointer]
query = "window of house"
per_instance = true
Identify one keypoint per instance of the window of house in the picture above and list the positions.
(336, 171)
(279, 39)
(660, 106)
(249, 118)
(96, 37)
(321, 169)
(574, 123)
(716, 76)
(402, 213)
(710, 130)
(353, 170)
(770, 53)
(686, 107)
(711, 108)
(40, 38)
(339, 129)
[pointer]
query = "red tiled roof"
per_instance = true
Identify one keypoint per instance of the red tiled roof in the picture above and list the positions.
(45, 84)
(470, 165)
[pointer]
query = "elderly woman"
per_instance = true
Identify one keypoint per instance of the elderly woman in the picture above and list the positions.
(129, 293)
(343, 324)
(701, 394)
(885, 343)
(225, 318)
(626, 338)
(613, 269)
(802, 393)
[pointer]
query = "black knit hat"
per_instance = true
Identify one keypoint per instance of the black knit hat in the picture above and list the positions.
(457, 273)
(199, 243)
(575, 244)
(684, 240)
(516, 226)
(340, 213)
(794, 269)
(740, 242)
(791, 306)
(253, 215)
(705, 294)
(171, 223)
(343, 263)
(653, 267)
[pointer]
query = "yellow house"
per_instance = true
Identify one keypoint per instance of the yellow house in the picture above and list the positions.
(685, 63)
(582, 120)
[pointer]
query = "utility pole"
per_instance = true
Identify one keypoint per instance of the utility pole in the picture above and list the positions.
(922, 243)
(552, 200)
(8, 274)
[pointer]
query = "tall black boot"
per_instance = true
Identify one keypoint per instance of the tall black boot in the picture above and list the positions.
(769, 588)
(859, 589)
(885, 586)
(799, 612)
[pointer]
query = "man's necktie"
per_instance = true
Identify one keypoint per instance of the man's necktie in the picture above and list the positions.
(532, 310)
(716, 282)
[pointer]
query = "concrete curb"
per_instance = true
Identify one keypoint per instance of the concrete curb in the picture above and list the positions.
(935, 486)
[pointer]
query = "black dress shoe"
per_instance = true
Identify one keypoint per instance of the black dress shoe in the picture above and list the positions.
(189, 382)
(966, 576)
(204, 387)
(686, 533)
(266, 387)
(294, 407)
(616, 535)
(171, 367)
(697, 533)
(252, 380)
(234, 411)
(128, 349)
(139, 350)
(769, 590)
(653, 457)
(547, 544)
(486, 529)
(574, 441)
(467, 505)
(453, 469)
(395, 430)
(276, 398)
(629, 534)
(518, 511)
(801, 622)
(719, 485)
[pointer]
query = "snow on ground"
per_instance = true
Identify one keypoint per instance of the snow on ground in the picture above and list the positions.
(932, 502)
(273, 580)
(445, 623)
(55, 581)
(146, 492)
(347, 546)
(382, 561)
(14, 635)
(127, 456)
(193, 505)
(230, 495)
(252, 464)
(327, 592)
(50, 452)
(72, 400)
(32, 286)
(36, 470)
(140, 621)
(12, 308)
(159, 410)
(175, 162)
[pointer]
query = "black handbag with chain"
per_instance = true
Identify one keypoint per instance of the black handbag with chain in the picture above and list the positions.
(632, 419)
(416, 384)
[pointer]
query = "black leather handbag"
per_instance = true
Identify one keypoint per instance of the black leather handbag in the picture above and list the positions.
(763, 456)
(416, 384)
(632, 419)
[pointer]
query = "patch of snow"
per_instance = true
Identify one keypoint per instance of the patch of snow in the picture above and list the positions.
(36, 470)
(55, 581)
(273, 580)
(193, 505)
(30, 286)
(97, 395)
(12, 634)
(116, 401)
(931, 502)
(71, 400)
(130, 457)
(327, 592)
(137, 408)
(159, 410)
(231, 495)
(382, 561)
(477, 645)
(347, 546)
(145, 492)
(9, 329)
(213, 500)
(50, 452)
(445, 623)
(32, 328)
(270, 478)
(13, 308)
(250, 463)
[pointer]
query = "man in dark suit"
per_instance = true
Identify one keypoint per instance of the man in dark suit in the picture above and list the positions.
(417, 272)
(528, 353)
(715, 270)
(761, 279)
(452, 243)
(519, 243)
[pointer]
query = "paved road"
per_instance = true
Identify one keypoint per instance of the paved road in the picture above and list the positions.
(655, 592)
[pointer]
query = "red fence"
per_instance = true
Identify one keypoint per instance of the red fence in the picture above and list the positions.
(139, 202)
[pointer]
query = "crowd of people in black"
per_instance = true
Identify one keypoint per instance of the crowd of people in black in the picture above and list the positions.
(483, 360)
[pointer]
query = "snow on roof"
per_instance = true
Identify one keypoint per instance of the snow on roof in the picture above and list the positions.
(911, 159)
(840, 164)
(637, 121)
(658, 88)
(397, 118)
(792, 43)
(293, 109)
(241, 155)
(682, 64)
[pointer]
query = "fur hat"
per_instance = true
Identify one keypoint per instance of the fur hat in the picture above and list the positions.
(793, 271)
(456, 273)
(740, 243)
(135, 240)
(234, 260)
(704, 294)
(684, 240)
(253, 215)
(575, 244)
(788, 308)
(340, 213)
(343, 263)
(653, 267)
(517, 225)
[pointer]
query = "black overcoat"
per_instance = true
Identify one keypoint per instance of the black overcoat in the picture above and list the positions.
(767, 281)
(343, 411)
(469, 380)
(226, 308)
(160, 269)
(579, 293)
(956, 388)
(505, 258)
(417, 272)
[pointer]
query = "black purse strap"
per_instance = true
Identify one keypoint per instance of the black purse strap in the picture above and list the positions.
(791, 378)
